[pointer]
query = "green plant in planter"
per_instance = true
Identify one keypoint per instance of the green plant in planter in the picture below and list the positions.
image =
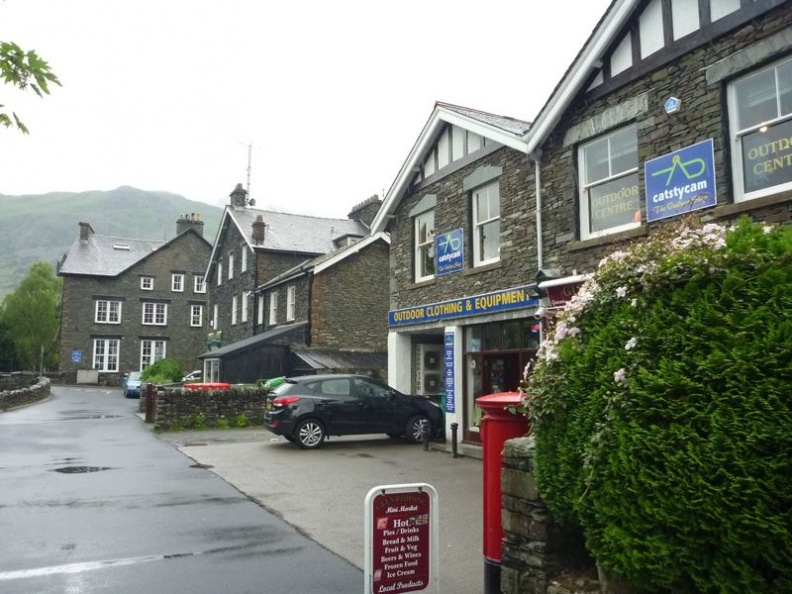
(662, 411)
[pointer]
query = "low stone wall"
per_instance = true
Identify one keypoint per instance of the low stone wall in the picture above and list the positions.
(177, 408)
(20, 388)
(539, 555)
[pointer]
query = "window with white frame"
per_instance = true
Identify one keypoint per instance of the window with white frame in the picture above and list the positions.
(199, 285)
(260, 319)
(151, 351)
(291, 302)
(196, 316)
(155, 314)
(230, 266)
(424, 246)
(760, 120)
(108, 312)
(233, 310)
(243, 261)
(177, 282)
(147, 283)
(486, 224)
(273, 310)
(219, 273)
(609, 194)
(215, 321)
(244, 312)
(105, 354)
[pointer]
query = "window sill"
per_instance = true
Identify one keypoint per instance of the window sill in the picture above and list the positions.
(424, 283)
(607, 239)
(483, 268)
(728, 210)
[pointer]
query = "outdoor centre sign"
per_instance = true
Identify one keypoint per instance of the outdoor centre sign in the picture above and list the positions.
(450, 253)
(680, 182)
(475, 305)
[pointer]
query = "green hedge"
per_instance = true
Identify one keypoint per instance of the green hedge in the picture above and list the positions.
(662, 408)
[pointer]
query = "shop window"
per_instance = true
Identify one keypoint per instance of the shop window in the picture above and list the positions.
(760, 118)
(424, 246)
(531, 336)
(492, 336)
(609, 195)
(511, 335)
(486, 225)
(474, 339)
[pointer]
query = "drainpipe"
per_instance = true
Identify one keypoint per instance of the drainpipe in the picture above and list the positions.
(537, 159)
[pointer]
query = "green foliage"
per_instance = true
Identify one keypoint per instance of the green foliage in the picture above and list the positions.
(662, 414)
(241, 420)
(197, 421)
(222, 422)
(31, 316)
(24, 70)
(163, 371)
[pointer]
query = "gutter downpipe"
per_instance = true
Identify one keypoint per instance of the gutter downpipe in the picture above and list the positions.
(537, 159)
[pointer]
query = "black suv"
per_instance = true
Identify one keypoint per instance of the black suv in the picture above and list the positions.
(306, 409)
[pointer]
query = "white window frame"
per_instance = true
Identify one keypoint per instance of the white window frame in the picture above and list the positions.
(219, 273)
(273, 309)
(230, 265)
(106, 354)
(260, 319)
(196, 316)
(177, 282)
(214, 317)
(107, 311)
(584, 186)
(244, 312)
(486, 191)
(233, 310)
(146, 283)
(243, 264)
(152, 351)
(737, 134)
(424, 245)
(291, 302)
(199, 286)
(155, 314)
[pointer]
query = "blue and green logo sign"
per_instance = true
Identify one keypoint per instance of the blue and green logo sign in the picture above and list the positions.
(448, 248)
(680, 182)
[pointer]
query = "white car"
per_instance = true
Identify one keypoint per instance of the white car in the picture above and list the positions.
(193, 376)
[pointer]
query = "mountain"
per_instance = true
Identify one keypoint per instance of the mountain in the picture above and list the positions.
(42, 227)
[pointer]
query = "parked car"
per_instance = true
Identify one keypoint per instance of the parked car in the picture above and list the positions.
(132, 385)
(307, 409)
(193, 376)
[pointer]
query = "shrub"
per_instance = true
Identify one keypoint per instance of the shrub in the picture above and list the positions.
(197, 421)
(222, 422)
(163, 371)
(662, 413)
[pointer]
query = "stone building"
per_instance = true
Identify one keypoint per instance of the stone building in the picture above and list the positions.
(129, 302)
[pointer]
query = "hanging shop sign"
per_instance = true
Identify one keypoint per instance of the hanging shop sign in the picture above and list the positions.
(450, 253)
(475, 305)
(680, 182)
(401, 539)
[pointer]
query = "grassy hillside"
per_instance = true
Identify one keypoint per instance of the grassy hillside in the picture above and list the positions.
(43, 227)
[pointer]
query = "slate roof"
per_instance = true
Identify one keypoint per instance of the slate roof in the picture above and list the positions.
(256, 339)
(97, 256)
(507, 124)
(341, 359)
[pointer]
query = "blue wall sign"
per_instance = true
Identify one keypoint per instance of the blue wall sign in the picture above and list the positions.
(450, 404)
(450, 252)
(680, 182)
(466, 306)
(76, 356)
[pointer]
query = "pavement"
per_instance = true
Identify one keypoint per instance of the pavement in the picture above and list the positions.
(322, 492)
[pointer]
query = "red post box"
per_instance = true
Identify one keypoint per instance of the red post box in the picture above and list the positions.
(497, 426)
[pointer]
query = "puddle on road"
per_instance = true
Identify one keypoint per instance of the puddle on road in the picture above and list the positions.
(203, 466)
(89, 417)
(80, 469)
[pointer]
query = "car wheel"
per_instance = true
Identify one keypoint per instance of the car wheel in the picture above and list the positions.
(414, 430)
(309, 434)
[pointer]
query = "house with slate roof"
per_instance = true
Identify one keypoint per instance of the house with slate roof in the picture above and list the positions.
(246, 342)
(129, 302)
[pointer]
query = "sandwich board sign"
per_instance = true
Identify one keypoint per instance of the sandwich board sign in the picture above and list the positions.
(401, 539)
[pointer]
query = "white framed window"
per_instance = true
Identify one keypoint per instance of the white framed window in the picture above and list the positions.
(105, 354)
(424, 246)
(177, 283)
(108, 312)
(151, 351)
(196, 316)
(244, 312)
(199, 286)
(273, 310)
(291, 302)
(486, 224)
(260, 319)
(155, 314)
(233, 310)
(219, 273)
(243, 262)
(147, 283)
(609, 195)
(760, 122)
(230, 265)
(214, 317)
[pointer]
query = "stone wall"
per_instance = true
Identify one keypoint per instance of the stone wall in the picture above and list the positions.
(177, 407)
(19, 389)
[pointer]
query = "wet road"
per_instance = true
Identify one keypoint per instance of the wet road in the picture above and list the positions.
(91, 502)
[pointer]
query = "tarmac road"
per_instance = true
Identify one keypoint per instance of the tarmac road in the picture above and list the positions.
(322, 492)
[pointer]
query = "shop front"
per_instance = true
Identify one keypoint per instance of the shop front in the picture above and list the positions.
(461, 349)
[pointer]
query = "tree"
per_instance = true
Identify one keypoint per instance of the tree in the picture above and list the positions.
(31, 314)
(24, 70)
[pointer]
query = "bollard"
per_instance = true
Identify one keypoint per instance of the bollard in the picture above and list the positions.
(425, 435)
(150, 403)
(454, 427)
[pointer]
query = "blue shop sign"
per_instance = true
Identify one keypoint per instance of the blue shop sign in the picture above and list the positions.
(76, 356)
(450, 253)
(476, 305)
(680, 182)
(450, 388)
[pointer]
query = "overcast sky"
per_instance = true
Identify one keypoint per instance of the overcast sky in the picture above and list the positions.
(331, 96)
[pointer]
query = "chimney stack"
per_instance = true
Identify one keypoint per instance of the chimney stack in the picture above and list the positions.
(259, 226)
(366, 210)
(239, 196)
(85, 231)
(190, 221)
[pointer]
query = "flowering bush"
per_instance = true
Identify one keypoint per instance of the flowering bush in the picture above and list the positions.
(662, 411)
